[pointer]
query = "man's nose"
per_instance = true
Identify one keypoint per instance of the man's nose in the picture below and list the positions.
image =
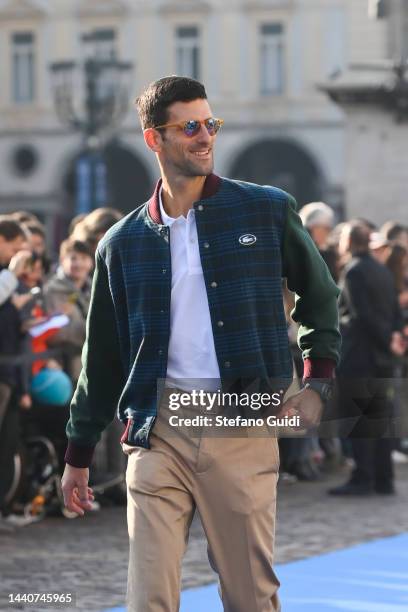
(203, 135)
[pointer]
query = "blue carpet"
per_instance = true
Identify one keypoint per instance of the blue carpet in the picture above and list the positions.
(370, 577)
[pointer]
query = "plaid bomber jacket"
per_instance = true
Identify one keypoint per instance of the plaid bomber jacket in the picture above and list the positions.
(249, 238)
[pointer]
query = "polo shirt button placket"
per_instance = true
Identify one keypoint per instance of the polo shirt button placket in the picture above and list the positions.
(214, 285)
(200, 207)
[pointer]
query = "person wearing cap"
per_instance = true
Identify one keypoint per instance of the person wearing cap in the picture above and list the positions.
(380, 247)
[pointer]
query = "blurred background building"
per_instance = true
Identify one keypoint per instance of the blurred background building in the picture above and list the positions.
(262, 62)
(373, 93)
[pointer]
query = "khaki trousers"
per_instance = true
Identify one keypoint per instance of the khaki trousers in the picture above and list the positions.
(231, 481)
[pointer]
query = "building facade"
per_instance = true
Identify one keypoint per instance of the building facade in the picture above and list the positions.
(375, 104)
(260, 60)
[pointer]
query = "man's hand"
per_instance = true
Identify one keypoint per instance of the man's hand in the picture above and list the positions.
(19, 262)
(307, 405)
(78, 496)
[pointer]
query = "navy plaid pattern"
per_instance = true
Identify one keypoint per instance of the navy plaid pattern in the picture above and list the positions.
(130, 306)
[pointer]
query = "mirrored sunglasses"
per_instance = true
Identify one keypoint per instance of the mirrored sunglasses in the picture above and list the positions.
(193, 126)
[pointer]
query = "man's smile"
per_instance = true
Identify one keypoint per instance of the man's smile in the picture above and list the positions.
(202, 153)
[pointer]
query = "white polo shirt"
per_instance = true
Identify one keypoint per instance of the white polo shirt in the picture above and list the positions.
(192, 361)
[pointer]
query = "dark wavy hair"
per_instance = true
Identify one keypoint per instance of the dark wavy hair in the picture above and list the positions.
(152, 105)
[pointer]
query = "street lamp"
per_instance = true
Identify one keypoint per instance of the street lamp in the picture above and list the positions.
(103, 105)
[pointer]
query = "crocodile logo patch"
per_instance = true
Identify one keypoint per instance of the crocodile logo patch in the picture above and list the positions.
(247, 239)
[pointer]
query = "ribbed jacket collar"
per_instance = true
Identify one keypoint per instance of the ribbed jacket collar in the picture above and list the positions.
(211, 186)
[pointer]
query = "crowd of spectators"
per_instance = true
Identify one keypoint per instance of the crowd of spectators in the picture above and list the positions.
(44, 303)
(43, 310)
(369, 408)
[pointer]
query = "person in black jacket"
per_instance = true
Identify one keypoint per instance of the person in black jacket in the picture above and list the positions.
(12, 240)
(370, 325)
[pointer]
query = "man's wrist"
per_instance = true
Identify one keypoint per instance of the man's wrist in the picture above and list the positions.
(79, 456)
(323, 388)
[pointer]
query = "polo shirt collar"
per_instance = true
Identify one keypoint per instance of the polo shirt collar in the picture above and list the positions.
(211, 186)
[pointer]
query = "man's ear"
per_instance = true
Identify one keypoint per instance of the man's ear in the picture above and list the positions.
(153, 139)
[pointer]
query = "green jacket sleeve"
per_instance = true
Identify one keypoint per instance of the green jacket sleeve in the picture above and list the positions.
(316, 293)
(101, 380)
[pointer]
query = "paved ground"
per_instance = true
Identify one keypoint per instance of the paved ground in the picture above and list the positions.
(88, 556)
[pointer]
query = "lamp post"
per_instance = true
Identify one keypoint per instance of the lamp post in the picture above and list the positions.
(91, 97)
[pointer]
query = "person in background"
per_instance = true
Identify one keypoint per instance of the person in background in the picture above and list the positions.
(318, 219)
(36, 233)
(395, 233)
(371, 332)
(24, 217)
(18, 255)
(34, 272)
(109, 460)
(36, 238)
(95, 225)
(379, 247)
(13, 238)
(397, 263)
(68, 292)
(74, 222)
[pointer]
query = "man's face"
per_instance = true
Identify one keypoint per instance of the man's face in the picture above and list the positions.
(320, 235)
(37, 243)
(183, 155)
(77, 266)
(381, 253)
(8, 248)
(34, 274)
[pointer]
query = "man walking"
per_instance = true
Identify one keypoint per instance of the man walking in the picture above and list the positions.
(187, 288)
